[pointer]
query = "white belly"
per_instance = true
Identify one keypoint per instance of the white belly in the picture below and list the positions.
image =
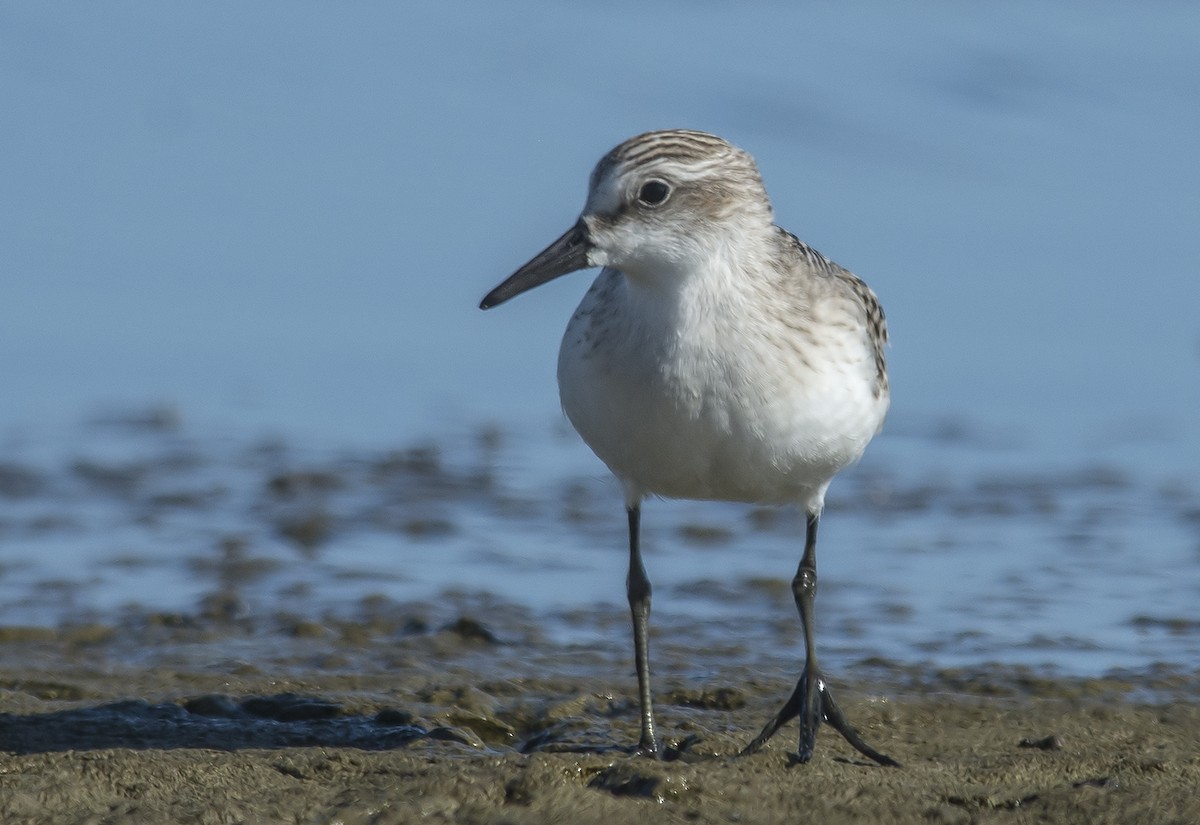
(730, 410)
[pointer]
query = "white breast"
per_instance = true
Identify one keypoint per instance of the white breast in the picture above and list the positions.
(712, 393)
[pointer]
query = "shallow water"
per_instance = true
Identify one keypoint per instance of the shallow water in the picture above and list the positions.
(1080, 569)
(269, 244)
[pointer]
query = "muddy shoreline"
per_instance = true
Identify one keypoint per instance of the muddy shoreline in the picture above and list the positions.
(395, 719)
(197, 631)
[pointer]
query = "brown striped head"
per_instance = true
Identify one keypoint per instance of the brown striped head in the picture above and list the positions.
(705, 175)
(659, 205)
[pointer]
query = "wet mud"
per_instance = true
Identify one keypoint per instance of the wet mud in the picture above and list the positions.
(392, 719)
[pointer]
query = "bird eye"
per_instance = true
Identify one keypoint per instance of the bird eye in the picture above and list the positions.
(653, 192)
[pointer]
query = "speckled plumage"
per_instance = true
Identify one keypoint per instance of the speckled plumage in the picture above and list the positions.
(716, 356)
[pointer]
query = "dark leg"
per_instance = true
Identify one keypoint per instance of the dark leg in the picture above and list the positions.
(812, 700)
(637, 588)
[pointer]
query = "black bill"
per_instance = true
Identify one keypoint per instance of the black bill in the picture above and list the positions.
(568, 254)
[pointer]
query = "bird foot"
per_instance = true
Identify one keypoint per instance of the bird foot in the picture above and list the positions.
(650, 750)
(813, 702)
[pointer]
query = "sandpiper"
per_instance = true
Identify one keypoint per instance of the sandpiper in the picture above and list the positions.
(715, 357)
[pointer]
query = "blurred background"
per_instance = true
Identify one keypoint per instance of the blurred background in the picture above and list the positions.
(256, 235)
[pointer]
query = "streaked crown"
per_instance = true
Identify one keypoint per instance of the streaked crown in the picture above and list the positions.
(726, 175)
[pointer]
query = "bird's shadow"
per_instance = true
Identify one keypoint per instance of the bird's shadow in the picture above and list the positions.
(285, 720)
(214, 722)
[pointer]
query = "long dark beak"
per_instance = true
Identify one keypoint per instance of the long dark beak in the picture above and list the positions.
(568, 254)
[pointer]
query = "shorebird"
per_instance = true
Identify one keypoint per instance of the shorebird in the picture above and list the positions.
(715, 357)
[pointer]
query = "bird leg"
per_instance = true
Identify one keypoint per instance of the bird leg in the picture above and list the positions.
(637, 588)
(812, 700)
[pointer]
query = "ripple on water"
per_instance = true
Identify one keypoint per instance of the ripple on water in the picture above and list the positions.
(1079, 567)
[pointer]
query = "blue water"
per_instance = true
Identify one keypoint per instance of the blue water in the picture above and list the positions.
(278, 218)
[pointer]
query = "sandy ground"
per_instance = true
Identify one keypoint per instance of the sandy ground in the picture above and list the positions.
(178, 719)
